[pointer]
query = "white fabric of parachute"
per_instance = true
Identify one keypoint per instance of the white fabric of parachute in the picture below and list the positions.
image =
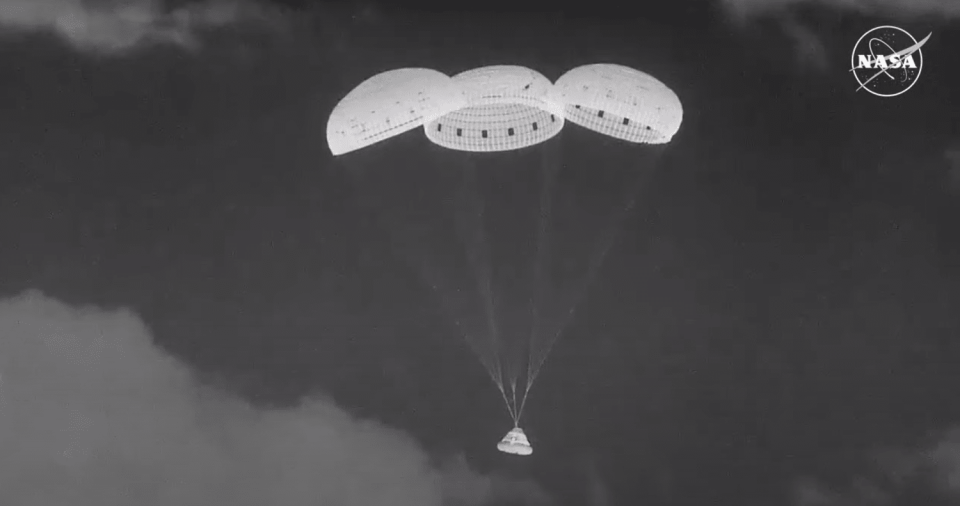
(507, 107)
(389, 104)
(504, 107)
(620, 102)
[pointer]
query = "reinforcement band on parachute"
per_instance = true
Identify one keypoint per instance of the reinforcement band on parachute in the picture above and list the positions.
(601, 96)
(494, 127)
(613, 125)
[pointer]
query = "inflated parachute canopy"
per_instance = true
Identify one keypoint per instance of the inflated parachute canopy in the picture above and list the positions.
(515, 442)
(620, 102)
(389, 104)
(507, 107)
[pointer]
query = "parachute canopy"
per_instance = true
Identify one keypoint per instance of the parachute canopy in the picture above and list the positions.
(389, 104)
(507, 108)
(620, 102)
(504, 107)
(515, 442)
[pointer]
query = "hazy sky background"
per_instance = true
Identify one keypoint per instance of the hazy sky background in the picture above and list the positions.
(198, 310)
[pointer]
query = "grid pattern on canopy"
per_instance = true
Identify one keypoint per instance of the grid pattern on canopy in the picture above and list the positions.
(494, 127)
(613, 125)
(502, 81)
(508, 107)
(620, 102)
(389, 104)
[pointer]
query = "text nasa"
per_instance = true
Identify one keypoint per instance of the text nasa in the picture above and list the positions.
(892, 61)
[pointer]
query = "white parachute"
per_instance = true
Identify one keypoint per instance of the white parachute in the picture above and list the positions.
(389, 104)
(620, 102)
(505, 108)
(499, 109)
(609, 99)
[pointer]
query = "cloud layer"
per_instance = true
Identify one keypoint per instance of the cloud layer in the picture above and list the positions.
(93, 413)
(899, 8)
(112, 26)
(926, 474)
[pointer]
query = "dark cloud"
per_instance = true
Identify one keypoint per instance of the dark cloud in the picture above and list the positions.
(923, 474)
(810, 50)
(899, 8)
(944, 460)
(808, 40)
(92, 413)
(117, 26)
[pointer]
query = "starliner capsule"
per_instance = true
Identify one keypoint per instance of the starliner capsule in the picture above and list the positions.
(515, 442)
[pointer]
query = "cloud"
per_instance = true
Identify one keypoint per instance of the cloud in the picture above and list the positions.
(117, 26)
(924, 474)
(809, 492)
(898, 8)
(944, 458)
(598, 494)
(807, 46)
(462, 487)
(93, 413)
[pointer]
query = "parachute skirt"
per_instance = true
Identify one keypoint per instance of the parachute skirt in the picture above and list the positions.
(515, 443)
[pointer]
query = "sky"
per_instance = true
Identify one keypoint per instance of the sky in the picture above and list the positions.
(201, 306)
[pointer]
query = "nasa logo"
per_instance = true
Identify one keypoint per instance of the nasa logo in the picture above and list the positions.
(887, 61)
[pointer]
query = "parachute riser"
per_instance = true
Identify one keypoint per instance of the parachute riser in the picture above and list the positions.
(549, 167)
(604, 245)
(421, 263)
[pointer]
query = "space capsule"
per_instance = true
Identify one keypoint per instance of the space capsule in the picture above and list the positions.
(515, 443)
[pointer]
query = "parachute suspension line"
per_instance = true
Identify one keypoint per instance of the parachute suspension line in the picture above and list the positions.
(604, 244)
(548, 175)
(428, 276)
(513, 392)
(477, 250)
(523, 402)
(472, 235)
(510, 407)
